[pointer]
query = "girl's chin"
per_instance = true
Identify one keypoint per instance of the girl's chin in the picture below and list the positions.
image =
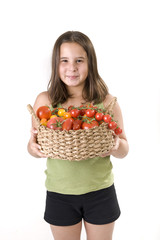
(72, 83)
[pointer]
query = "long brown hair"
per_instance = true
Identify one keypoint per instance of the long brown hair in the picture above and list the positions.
(95, 89)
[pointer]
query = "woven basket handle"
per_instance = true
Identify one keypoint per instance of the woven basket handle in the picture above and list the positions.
(30, 109)
(109, 108)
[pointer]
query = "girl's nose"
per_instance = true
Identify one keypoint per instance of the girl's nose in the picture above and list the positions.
(72, 66)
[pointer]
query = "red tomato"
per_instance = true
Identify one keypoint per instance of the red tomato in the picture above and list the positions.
(67, 124)
(55, 123)
(75, 113)
(94, 123)
(112, 125)
(118, 131)
(90, 113)
(107, 118)
(86, 125)
(77, 124)
(44, 112)
(99, 116)
(70, 108)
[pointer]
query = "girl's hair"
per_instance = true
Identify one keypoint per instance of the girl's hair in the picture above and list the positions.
(95, 89)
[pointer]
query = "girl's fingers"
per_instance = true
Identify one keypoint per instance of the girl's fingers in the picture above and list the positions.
(36, 148)
(116, 146)
(34, 132)
(105, 154)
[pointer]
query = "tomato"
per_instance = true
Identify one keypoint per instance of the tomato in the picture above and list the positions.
(43, 112)
(67, 124)
(55, 123)
(82, 112)
(43, 121)
(77, 124)
(99, 116)
(94, 123)
(70, 108)
(67, 115)
(107, 118)
(61, 112)
(53, 116)
(75, 113)
(84, 117)
(90, 113)
(118, 131)
(86, 125)
(112, 125)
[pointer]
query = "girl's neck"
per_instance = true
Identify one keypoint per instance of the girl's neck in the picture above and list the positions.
(75, 101)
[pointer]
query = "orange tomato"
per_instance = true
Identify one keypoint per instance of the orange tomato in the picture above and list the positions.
(44, 121)
(67, 115)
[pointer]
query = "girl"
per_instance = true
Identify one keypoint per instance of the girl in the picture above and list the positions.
(79, 189)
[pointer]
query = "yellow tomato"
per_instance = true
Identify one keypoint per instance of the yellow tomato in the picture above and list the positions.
(43, 121)
(61, 112)
(53, 116)
(67, 115)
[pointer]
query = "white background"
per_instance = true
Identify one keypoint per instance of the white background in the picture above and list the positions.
(126, 37)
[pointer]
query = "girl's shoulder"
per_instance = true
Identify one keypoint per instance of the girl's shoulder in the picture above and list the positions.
(107, 100)
(41, 100)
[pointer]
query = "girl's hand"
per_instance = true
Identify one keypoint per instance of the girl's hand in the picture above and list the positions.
(33, 147)
(114, 149)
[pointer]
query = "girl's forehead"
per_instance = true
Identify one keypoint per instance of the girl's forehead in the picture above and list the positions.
(72, 48)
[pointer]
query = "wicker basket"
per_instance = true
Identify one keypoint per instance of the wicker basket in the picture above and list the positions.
(75, 145)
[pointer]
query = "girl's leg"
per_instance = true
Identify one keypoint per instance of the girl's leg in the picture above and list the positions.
(67, 232)
(99, 232)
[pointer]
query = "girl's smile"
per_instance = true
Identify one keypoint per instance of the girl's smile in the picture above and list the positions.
(73, 66)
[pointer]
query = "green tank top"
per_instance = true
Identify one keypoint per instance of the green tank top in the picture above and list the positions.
(79, 177)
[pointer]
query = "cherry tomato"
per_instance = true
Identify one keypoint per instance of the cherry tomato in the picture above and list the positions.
(112, 125)
(43, 112)
(90, 113)
(67, 124)
(61, 112)
(43, 121)
(70, 108)
(53, 116)
(67, 115)
(77, 124)
(86, 125)
(94, 123)
(82, 112)
(118, 131)
(75, 113)
(55, 123)
(99, 116)
(107, 118)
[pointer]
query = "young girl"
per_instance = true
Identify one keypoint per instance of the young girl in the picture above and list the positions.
(84, 189)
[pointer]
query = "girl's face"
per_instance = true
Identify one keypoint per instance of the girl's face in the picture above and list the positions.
(73, 65)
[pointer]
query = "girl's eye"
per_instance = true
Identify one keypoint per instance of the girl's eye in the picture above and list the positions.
(79, 60)
(64, 60)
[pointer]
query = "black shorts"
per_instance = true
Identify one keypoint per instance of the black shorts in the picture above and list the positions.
(98, 207)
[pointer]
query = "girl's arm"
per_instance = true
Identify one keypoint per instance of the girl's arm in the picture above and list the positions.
(121, 148)
(33, 147)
